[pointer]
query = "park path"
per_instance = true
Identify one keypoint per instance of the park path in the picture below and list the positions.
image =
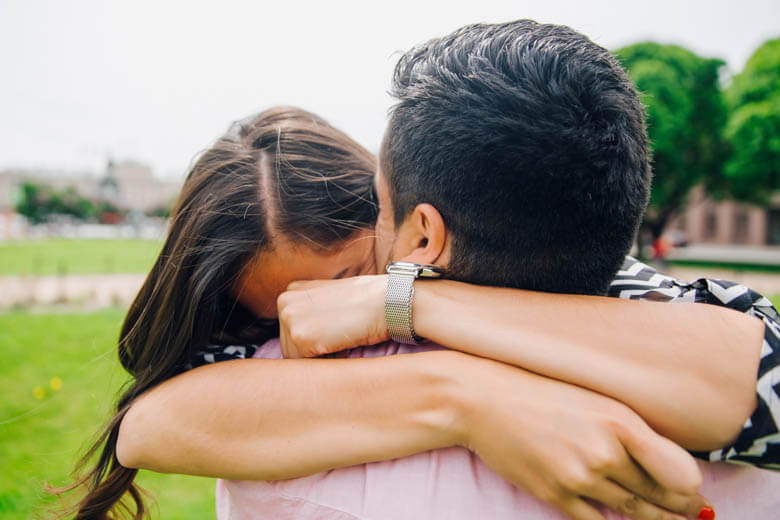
(102, 290)
(93, 290)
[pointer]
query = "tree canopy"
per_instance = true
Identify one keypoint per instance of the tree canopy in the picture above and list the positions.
(686, 119)
(753, 130)
(39, 202)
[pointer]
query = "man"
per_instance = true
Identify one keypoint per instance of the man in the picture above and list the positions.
(583, 188)
(515, 156)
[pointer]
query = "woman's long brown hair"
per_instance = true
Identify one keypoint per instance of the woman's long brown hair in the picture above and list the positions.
(318, 182)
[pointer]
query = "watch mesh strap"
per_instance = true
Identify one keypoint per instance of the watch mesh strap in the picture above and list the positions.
(398, 308)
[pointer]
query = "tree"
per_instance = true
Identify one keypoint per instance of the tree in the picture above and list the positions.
(38, 202)
(32, 201)
(686, 116)
(753, 129)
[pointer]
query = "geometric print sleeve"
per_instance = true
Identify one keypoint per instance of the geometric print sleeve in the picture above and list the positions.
(759, 442)
(217, 353)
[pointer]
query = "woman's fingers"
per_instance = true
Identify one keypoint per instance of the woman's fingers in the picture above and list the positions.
(633, 480)
(325, 316)
(578, 509)
(631, 504)
(670, 478)
(666, 462)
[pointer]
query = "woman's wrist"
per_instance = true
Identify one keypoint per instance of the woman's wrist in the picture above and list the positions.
(461, 397)
(453, 398)
(467, 392)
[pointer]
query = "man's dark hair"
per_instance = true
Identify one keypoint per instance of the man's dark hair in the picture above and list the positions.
(529, 139)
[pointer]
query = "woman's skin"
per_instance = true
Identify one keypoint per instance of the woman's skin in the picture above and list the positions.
(275, 419)
(702, 358)
(335, 412)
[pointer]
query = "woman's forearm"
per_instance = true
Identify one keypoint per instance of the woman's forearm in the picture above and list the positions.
(688, 370)
(278, 419)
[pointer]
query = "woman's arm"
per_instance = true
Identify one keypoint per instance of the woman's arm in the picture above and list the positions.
(277, 419)
(274, 419)
(689, 370)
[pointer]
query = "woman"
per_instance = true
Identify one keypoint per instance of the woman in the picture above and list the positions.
(228, 212)
(286, 197)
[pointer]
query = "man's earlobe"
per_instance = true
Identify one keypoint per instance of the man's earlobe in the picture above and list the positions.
(426, 236)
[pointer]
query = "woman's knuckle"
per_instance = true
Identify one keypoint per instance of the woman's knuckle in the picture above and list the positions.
(297, 284)
(283, 300)
(285, 313)
(299, 336)
(318, 348)
(630, 505)
(695, 481)
(656, 493)
(602, 458)
(552, 495)
(577, 480)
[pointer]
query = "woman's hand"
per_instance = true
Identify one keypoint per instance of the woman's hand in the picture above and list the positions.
(325, 316)
(565, 444)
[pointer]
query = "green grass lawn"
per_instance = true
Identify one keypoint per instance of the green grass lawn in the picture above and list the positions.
(41, 438)
(63, 256)
(731, 266)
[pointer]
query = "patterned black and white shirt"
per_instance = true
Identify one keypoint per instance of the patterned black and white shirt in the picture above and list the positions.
(759, 442)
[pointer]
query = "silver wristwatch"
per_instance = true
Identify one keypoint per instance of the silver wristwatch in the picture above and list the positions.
(399, 297)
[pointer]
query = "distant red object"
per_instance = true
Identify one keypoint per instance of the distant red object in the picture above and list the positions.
(110, 217)
(660, 248)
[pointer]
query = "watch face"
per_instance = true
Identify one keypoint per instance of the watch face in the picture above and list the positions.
(415, 270)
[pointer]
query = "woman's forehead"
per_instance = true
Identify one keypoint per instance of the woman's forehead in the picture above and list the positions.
(269, 273)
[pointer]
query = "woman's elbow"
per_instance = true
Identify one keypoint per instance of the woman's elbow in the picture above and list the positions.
(734, 390)
(726, 424)
(129, 443)
(732, 403)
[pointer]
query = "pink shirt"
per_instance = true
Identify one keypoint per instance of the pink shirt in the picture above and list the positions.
(449, 484)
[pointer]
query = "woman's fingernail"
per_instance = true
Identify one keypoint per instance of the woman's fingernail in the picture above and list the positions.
(706, 513)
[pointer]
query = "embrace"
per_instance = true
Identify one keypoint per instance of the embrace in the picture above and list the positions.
(461, 333)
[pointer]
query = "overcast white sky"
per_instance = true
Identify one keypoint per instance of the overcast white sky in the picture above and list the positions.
(157, 81)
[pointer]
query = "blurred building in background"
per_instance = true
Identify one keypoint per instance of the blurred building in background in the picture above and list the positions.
(128, 186)
(727, 222)
(134, 186)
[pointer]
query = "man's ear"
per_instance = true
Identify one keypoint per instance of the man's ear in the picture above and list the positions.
(425, 236)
